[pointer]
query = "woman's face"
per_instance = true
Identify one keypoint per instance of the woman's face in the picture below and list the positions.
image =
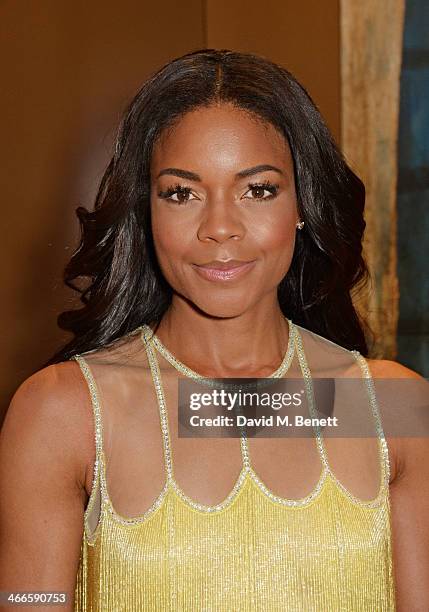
(222, 188)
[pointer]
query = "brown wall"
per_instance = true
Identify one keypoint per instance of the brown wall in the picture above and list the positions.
(69, 68)
(301, 36)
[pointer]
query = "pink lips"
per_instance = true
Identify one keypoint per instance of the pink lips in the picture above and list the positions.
(224, 273)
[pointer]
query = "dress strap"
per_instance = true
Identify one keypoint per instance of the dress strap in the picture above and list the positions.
(308, 382)
(279, 373)
(245, 454)
(99, 465)
(384, 452)
(163, 415)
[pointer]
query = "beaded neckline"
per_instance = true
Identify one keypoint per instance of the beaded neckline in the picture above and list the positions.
(148, 335)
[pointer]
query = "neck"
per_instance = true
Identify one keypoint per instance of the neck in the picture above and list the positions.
(253, 343)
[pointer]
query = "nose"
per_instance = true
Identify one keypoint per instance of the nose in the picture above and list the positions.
(220, 222)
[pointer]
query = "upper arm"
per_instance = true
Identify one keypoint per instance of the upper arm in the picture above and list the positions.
(409, 495)
(410, 525)
(45, 449)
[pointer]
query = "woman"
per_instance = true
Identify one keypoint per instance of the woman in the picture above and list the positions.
(225, 243)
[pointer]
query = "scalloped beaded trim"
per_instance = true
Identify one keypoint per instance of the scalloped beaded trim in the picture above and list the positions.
(246, 473)
(218, 507)
(238, 487)
(143, 517)
(291, 502)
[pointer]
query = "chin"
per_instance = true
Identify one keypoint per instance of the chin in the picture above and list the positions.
(221, 307)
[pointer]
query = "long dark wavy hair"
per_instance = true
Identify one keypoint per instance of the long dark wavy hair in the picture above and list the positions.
(124, 284)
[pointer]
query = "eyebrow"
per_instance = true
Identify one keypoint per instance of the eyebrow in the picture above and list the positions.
(192, 176)
(256, 170)
(185, 174)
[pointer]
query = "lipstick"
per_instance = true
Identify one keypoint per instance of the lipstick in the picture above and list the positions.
(224, 271)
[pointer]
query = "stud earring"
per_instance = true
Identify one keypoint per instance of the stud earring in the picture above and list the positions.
(300, 225)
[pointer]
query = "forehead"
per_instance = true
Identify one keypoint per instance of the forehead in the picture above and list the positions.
(220, 137)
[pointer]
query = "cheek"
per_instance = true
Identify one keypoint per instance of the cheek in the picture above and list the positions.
(276, 236)
(170, 244)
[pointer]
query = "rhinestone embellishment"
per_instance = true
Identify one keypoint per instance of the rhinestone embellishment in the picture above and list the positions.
(247, 471)
(149, 336)
(376, 413)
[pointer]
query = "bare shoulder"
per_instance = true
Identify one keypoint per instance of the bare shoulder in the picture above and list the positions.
(384, 368)
(56, 394)
(52, 409)
(127, 351)
(46, 447)
(405, 451)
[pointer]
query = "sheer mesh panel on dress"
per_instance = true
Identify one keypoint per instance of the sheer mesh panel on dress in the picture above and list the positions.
(352, 446)
(206, 469)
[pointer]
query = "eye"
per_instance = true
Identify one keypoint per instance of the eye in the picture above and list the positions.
(179, 194)
(261, 191)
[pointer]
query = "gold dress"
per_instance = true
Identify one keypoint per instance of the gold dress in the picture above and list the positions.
(327, 550)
